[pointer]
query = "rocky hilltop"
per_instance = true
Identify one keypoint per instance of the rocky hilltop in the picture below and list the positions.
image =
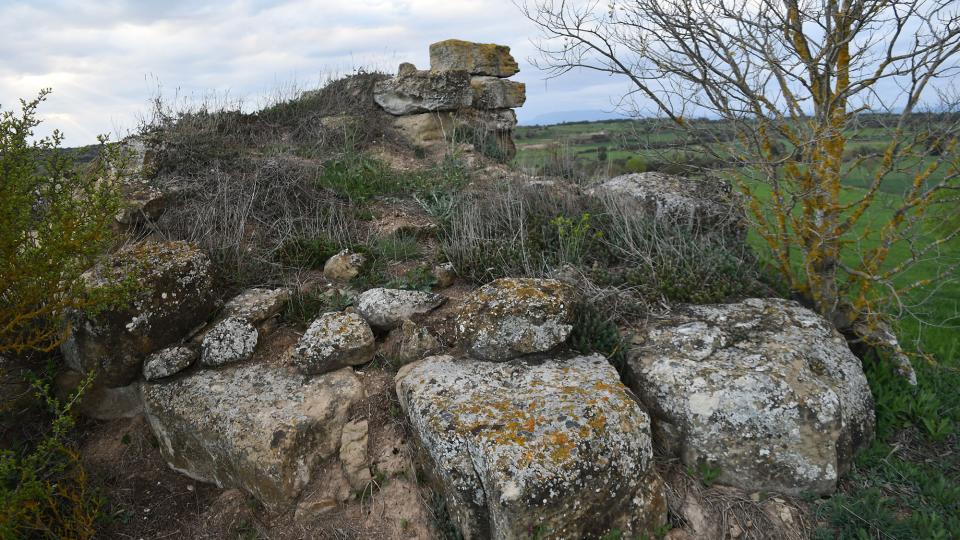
(469, 368)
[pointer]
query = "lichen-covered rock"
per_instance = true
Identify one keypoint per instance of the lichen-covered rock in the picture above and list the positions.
(408, 342)
(173, 295)
(557, 446)
(388, 308)
(496, 93)
(475, 58)
(257, 305)
(334, 340)
(344, 265)
(510, 317)
(413, 91)
(254, 426)
(702, 204)
(445, 274)
(764, 390)
(167, 362)
(231, 340)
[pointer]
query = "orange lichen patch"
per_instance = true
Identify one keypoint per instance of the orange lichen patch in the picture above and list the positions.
(562, 446)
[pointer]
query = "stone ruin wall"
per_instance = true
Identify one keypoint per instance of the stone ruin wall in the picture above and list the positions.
(465, 97)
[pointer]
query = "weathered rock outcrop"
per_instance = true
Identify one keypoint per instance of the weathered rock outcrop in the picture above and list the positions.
(474, 58)
(765, 390)
(510, 317)
(386, 309)
(334, 340)
(256, 427)
(557, 447)
(414, 91)
(702, 204)
(463, 97)
(172, 294)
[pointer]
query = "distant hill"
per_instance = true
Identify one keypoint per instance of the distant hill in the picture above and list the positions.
(560, 117)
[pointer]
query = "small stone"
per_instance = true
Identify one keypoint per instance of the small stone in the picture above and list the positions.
(509, 317)
(409, 342)
(386, 309)
(231, 340)
(257, 305)
(167, 362)
(445, 275)
(344, 266)
(334, 340)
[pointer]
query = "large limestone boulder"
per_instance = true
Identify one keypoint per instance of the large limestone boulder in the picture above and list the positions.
(475, 58)
(386, 309)
(701, 204)
(171, 294)
(413, 91)
(334, 340)
(510, 317)
(764, 390)
(256, 427)
(557, 447)
(496, 93)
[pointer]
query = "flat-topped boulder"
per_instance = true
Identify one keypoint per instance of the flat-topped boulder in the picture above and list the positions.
(256, 427)
(414, 91)
(475, 58)
(764, 390)
(510, 317)
(386, 309)
(700, 204)
(556, 446)
(170, 293)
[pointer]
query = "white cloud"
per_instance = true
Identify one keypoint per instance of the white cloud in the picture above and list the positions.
(105, 59)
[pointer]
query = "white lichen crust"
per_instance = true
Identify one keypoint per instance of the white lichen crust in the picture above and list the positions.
(254, 426)
(231, 340)
(556, 446)
(332, 341)
(386, 309)
(510, 317)
(765, 390)
(167, 362)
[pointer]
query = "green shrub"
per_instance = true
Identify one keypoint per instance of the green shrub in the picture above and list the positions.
(54, 222)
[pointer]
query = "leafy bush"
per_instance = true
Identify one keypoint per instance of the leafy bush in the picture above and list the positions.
(54, 222)
(44, 492)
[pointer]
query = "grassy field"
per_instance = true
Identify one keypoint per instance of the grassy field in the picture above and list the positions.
(907, 485)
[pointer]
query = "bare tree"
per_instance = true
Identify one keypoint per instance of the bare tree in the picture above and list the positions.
(795, 82)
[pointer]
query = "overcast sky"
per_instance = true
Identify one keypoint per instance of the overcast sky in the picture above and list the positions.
(105, 59)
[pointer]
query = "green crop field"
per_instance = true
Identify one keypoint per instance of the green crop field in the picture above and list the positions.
(907, 485)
